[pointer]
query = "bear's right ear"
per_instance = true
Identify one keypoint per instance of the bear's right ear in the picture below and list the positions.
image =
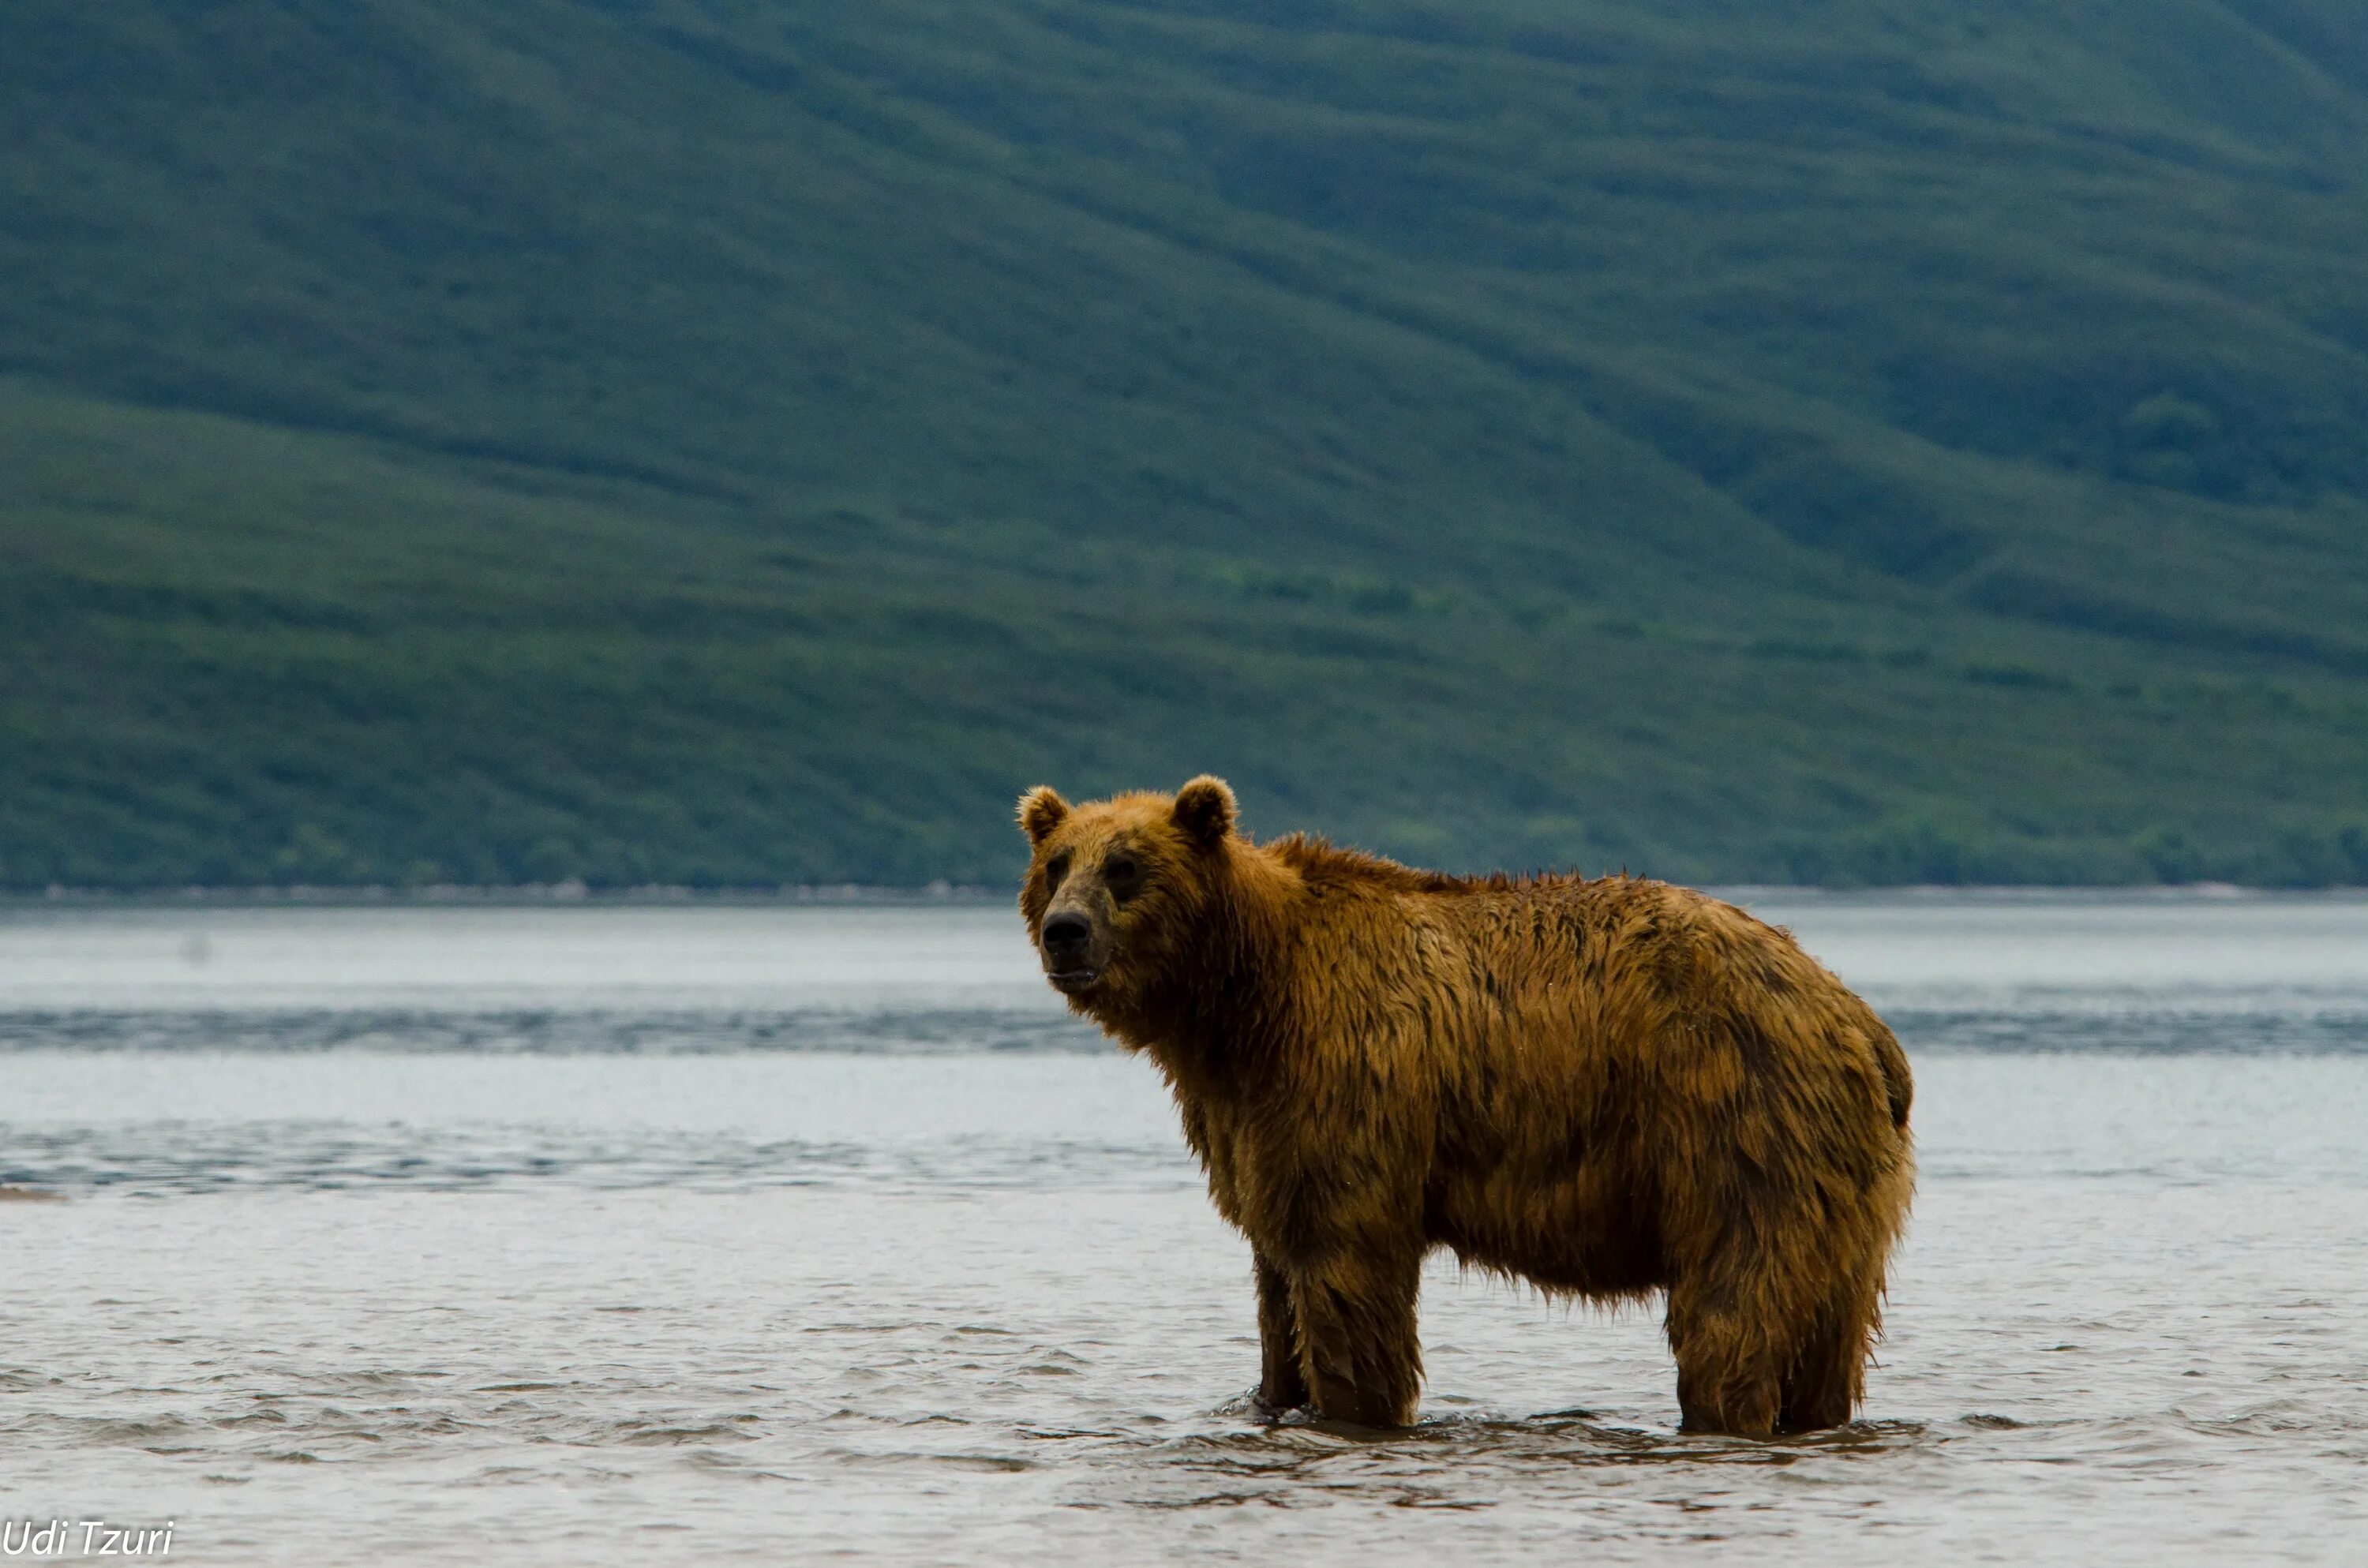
(1040, 811)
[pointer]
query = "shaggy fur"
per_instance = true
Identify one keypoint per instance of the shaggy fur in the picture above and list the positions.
(1608, 1088)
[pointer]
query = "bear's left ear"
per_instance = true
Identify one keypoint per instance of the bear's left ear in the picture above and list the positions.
(1040, 811)
(1204, 810)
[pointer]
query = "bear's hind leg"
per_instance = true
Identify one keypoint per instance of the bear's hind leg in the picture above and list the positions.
(1728, 1371)
(1828, 1370)
(1281, 1385)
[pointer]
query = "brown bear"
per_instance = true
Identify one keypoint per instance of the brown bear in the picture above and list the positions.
(1606, 1087)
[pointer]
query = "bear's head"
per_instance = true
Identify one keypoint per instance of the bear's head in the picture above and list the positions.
(1116, 886)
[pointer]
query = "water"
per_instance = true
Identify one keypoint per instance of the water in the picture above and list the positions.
(772, 1235)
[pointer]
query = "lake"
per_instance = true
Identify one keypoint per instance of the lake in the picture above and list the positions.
(785, 1232)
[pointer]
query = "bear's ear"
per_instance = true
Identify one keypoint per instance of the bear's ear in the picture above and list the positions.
(1204, 810)
(1040, 811)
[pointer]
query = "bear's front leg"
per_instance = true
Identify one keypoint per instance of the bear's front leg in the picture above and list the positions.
(1281, 1385)
(1359, 1351)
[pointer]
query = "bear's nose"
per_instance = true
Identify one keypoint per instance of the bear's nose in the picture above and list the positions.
(1068, 930)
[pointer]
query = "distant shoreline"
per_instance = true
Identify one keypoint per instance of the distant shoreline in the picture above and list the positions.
(567, 895)
(526, 895)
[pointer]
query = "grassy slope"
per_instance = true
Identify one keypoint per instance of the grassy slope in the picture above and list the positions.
(744, 443)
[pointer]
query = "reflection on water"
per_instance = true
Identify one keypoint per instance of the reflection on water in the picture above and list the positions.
(762, 1235)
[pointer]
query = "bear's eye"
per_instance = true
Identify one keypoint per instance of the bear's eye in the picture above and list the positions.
(1055, 869)
(1122, 874)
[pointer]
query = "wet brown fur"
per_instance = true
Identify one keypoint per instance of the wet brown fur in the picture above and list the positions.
(1610, 1088)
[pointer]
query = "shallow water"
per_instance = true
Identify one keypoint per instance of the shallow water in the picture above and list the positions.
(768, 1235)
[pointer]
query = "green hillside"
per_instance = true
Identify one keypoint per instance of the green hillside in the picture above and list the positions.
(732, 442)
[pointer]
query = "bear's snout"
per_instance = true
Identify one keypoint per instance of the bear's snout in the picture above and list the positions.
(1067, 939)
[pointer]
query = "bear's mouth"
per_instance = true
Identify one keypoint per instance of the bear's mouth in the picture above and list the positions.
(1072, 980)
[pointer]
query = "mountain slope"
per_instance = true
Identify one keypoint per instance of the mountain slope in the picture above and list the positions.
(744, 443)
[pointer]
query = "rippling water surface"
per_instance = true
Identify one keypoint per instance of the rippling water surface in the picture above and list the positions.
(770, 1234)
